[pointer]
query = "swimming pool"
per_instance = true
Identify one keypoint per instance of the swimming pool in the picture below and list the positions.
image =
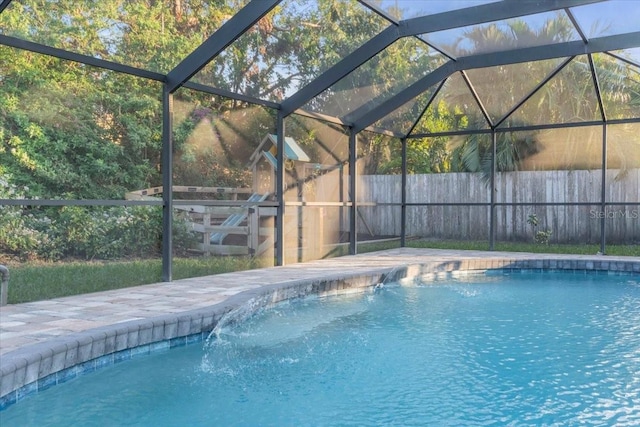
(551, 348)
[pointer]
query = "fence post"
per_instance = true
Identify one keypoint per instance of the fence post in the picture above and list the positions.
(4, 287)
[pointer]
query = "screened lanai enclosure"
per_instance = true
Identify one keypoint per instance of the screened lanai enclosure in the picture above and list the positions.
(293, 130)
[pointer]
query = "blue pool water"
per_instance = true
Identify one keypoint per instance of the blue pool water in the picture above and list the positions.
(522, 349)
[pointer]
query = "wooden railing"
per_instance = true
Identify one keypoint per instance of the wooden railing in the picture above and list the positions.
(208, 220)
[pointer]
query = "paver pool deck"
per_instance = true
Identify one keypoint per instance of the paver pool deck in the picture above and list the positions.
(48, 342)
(22, 325)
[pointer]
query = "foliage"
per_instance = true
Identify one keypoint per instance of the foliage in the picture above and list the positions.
(543, 237)
(16, 235)
(568, 97)
(474, 154)
(424, 155)
(532, 220)
(79, 232)
(540, 236)
(68, 129)
(102, 130)
(203, 156)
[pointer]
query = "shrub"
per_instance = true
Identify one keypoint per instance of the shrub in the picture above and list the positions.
(540, 236)
(16, 236)
(102, 233)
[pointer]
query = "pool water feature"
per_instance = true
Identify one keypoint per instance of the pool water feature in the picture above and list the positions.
(532, 349)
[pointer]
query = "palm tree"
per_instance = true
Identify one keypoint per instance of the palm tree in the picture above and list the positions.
(570, 96)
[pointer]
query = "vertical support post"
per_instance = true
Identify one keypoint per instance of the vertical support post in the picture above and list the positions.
(206, 236)
(167, 184)
(403, 216)
(4, 285)
(353, 217)
(342, 199)
(603, 193)
(253, 223)
(603, 188)
(316, 240)
(280, 130)
(492, 213)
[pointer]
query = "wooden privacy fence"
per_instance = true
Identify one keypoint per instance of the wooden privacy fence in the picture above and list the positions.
(568, 224)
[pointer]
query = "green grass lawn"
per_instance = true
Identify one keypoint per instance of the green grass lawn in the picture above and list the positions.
(33, 282)
(621, 250)
(483, 245)
(45, 281)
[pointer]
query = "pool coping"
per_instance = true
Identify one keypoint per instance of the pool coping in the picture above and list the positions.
(39, 366)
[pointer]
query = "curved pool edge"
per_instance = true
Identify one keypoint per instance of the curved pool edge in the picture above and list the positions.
(37, 367)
